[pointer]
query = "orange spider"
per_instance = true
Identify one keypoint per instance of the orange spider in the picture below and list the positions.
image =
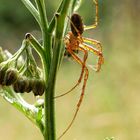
(75, 42)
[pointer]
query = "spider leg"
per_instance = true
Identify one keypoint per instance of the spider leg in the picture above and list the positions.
(97, 51)
(93, 42)
(82, 71)
(96, 17)
(82, 93)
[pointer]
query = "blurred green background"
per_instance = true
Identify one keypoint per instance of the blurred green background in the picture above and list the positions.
(111, 107)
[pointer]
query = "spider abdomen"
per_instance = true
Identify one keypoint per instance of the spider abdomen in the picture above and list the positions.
(76, 24)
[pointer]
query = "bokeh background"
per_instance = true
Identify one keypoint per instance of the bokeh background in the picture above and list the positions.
(111, 107)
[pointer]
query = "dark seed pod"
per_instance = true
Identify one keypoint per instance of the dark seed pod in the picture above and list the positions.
(39, 87)
(30, 86)
(10, 77)
(76, 24)
(2, 74)
(21, 85)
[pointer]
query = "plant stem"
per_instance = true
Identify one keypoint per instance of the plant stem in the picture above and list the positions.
(50, 58)
(45, 35)
(49, 133)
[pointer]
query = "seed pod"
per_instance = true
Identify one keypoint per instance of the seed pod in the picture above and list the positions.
(10, 77)
(39, 87)
(21, 85)
(2, 74)
(30, 86)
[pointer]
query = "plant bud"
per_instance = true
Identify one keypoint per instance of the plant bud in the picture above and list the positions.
(20, 85)
(10, 77)
(30, 86)
(39, 87)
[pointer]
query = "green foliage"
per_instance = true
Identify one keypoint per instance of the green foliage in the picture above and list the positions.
(111, 96)
(26, 77)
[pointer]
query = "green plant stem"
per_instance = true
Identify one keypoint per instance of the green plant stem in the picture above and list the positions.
(50, 58)
(42, 12)
(49, 94)
(35, 44)
(45, 35)
(52, 22)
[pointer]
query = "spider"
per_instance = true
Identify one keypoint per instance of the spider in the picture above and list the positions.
(75, 42)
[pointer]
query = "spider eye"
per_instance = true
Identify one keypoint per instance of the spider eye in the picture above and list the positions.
(76, 24)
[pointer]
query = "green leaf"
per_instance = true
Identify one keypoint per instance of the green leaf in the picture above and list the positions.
(33, 10)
